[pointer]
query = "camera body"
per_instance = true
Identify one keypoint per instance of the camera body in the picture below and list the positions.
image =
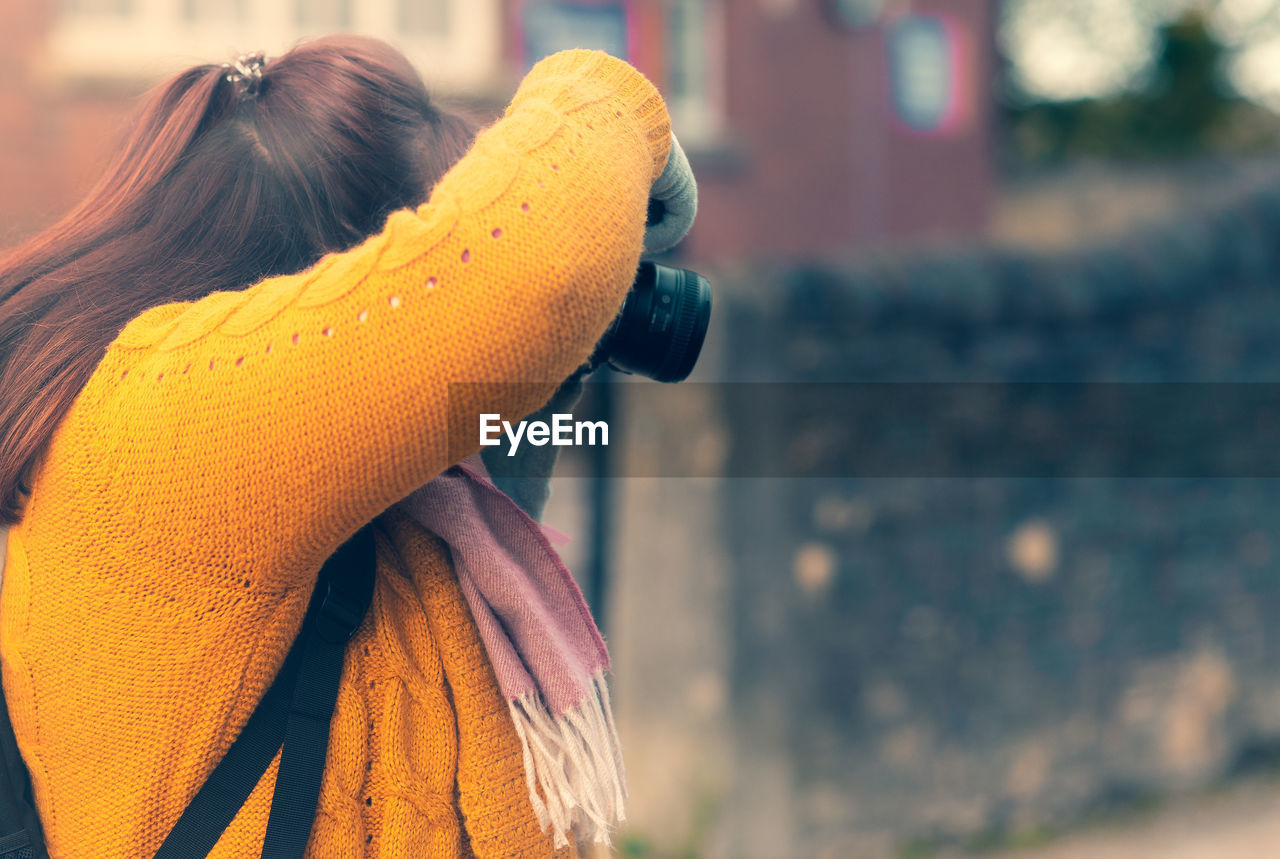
(660, 330)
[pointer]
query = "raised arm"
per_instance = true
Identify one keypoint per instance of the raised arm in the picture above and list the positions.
(261, 428)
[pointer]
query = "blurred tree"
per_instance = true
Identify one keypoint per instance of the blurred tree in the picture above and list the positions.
(1188, 96)
(1183, 105)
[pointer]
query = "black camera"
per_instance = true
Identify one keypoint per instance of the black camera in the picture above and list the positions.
(660, 329)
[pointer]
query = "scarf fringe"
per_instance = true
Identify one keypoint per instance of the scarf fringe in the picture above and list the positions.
(576, 760)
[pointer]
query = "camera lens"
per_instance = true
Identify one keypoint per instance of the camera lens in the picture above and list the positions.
(660, 330)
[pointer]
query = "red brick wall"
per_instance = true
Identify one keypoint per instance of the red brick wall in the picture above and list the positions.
(54, 137)
(823, 167)
(818, 166)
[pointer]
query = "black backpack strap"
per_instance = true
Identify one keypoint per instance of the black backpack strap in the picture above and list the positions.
(343, 604)
(295, 711)
(20, 834)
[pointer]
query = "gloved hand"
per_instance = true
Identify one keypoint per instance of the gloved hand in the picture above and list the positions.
(677, 191)
(526, 476)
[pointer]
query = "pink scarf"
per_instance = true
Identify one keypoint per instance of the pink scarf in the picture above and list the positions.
(545, 649)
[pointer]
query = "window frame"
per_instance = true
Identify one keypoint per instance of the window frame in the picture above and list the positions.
(698, 113)
(154, 39)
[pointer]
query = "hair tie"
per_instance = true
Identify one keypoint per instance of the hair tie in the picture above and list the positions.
(245, 73)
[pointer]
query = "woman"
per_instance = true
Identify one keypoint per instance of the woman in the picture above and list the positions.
(192, 421)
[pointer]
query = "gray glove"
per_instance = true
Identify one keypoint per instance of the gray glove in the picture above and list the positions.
(677, 190)
(526, 476)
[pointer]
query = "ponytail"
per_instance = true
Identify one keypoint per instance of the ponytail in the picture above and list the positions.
(216, 188)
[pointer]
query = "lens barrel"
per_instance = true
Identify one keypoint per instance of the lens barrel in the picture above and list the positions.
(663, 321)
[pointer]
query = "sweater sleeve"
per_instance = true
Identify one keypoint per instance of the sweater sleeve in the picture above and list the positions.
(259, 429)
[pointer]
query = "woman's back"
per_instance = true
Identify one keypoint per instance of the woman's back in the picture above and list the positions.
(223, 448)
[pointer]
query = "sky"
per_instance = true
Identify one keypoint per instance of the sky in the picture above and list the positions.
(1064, 49)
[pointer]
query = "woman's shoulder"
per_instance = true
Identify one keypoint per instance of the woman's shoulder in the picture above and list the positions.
(158, 325)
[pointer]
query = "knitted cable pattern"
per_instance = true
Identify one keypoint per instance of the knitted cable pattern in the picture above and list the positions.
(225, 447)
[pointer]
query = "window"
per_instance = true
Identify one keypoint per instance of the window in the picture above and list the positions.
(323, 15)
(929, 72)
(678, 42)
(695, 64)
(548, 26)
(220, 11)
(424, 17)
(456, 44)
(107, 8)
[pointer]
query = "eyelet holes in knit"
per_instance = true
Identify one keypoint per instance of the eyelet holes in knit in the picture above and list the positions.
(432, 283)
(296, 337)
(466, 256)
(497, 232)
(363, 315)
(524, 207)
(211, 360)
(394, 301)
(268, 348)
(239, 360)
(327, 331)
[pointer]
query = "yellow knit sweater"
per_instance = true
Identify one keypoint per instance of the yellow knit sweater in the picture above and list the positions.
(224, 448)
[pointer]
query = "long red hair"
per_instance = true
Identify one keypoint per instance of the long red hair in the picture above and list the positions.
(215, 188)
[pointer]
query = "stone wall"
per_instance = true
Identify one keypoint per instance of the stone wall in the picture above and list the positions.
(850, 667)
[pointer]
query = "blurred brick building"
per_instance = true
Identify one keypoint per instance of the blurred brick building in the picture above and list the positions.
(813, 125)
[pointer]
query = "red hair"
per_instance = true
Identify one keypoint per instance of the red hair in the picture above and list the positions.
(214, 189)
